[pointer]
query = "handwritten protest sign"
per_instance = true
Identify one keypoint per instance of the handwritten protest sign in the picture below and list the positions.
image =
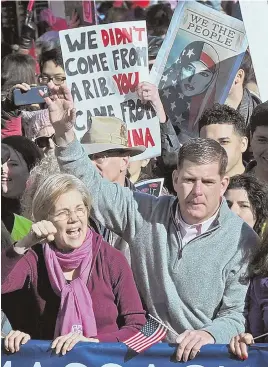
(104, 64)
(197, 63)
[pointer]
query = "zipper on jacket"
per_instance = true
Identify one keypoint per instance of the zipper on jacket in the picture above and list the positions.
(178, 233)
(203, 234)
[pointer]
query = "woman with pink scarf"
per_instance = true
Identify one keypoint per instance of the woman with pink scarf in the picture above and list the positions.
(63, 281)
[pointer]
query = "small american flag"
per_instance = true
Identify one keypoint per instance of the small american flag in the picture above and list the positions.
(151, 333)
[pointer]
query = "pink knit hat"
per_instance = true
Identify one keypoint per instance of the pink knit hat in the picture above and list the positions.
(34, 121)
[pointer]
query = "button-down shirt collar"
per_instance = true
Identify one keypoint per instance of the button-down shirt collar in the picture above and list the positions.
(190, 231)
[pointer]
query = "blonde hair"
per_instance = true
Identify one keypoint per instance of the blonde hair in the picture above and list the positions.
(51, 189)
(46, 167)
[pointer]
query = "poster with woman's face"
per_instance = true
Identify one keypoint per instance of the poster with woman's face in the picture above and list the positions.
(197, 63)
(194, 78)
(191, 79)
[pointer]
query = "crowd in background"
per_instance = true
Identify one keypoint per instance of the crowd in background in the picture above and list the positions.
(84, 254)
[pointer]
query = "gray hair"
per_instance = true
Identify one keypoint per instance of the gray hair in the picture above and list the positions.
(51, 189)
(46, 167)
(203, 151)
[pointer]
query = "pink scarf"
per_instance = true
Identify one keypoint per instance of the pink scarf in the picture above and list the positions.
(76, 311)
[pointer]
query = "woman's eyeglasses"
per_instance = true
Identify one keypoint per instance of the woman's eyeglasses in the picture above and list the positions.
(43, 141)
(57, 80)
(66, 214)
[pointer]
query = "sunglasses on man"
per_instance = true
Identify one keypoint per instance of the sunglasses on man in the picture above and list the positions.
(103, 156)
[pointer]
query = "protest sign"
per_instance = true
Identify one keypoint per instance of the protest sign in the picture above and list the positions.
(37, 353)
(85, 9)
(103, 65)
(197, 63)
(152, 187)
(255, 15)
(89, 12)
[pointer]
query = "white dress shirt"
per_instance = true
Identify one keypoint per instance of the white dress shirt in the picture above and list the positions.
(190, 231)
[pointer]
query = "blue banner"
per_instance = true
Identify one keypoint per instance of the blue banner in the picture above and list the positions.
(38, 354)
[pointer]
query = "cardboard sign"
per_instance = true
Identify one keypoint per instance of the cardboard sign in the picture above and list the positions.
(197, 63)
(103, 65)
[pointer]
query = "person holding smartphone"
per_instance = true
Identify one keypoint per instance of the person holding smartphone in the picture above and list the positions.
(23, 108)
(36, 124)
(51, 65)
(18, 72)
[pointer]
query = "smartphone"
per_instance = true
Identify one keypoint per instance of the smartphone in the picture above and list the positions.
(31, 96)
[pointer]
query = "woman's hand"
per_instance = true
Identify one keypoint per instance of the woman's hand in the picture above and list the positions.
(23, 87)
(238, 345)
(65, 343)
(148, 92)
(43, 231)
(14, 340)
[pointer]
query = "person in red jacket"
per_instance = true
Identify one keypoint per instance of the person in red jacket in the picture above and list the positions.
(79, 287)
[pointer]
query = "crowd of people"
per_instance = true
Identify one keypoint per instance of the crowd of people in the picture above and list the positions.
(85, 255)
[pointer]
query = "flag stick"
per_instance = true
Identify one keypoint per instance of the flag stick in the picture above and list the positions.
(160, 322)
(30, 5)
(174, 332)
(260, 336)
